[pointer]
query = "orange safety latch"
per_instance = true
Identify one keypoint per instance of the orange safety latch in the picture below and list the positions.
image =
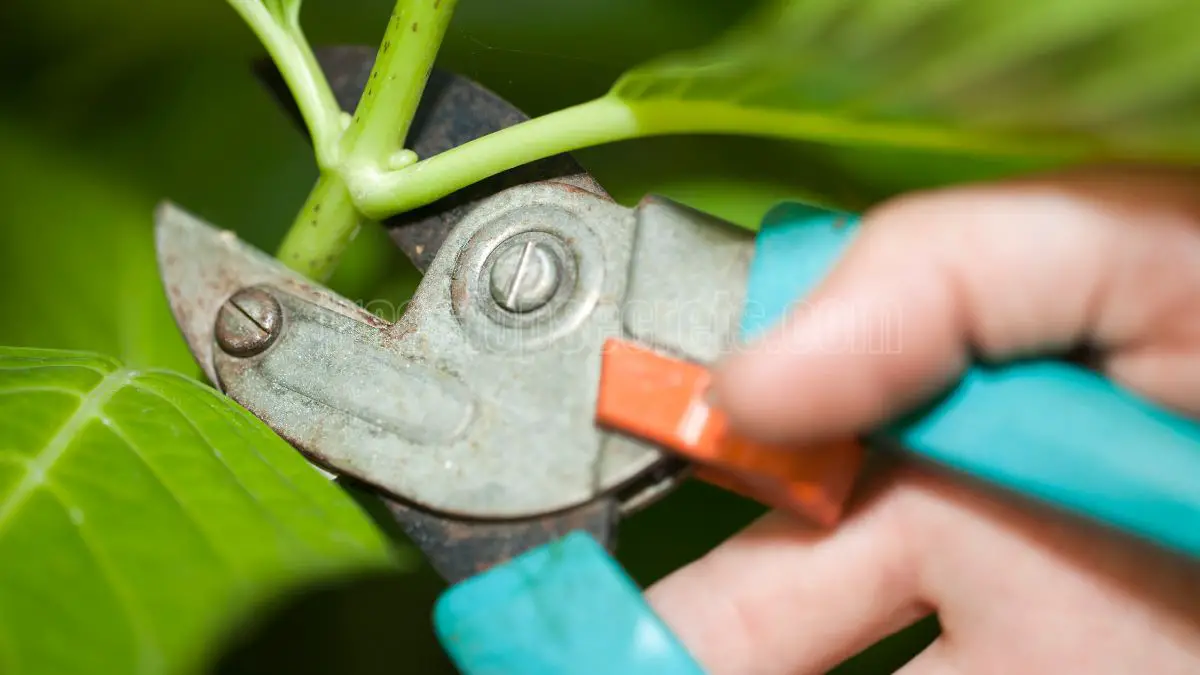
(663, 400)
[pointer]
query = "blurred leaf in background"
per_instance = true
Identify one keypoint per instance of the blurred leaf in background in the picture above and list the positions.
(1070, 79)
(112, 105)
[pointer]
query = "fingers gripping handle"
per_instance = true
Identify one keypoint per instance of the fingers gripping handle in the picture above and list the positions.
(1047, 429)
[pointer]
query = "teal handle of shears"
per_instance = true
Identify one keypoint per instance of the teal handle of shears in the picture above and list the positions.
(1047, 429)
(564, 608)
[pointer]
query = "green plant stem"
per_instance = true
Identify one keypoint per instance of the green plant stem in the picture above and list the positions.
(285, 42)
(373, 141)
(326, 225)
(608, 119)
(599, 121)
(390, 100)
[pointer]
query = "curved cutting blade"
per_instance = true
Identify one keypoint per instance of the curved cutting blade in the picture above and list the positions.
(202, 268)
(453, 110)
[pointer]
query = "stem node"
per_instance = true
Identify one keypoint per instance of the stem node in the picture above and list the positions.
(370, 141)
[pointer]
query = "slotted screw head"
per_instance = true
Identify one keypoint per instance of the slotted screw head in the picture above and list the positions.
(248, 322)
(525, 276)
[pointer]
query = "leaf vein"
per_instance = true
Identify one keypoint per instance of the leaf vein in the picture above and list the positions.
(36, 469)
(115, 427)
(28, 389)
(279, 526)
(48, 366)
(240, 429)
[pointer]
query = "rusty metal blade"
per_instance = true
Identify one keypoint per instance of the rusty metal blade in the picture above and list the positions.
(201, 266)
(453, 111)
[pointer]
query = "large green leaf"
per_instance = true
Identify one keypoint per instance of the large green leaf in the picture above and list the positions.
(142, 515)
(1104, 78)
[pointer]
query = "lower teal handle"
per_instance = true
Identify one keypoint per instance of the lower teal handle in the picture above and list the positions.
(1046, 429)
(564, 608)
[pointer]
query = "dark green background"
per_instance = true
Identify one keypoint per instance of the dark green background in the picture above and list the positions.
(108, 106)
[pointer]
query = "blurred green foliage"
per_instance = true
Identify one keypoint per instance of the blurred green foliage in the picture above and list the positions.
(111, 105)
(1091, 80)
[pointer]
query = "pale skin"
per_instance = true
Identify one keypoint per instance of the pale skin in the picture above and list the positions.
(1108, 258)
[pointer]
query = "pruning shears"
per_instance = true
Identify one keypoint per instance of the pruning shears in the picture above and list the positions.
(549, 377)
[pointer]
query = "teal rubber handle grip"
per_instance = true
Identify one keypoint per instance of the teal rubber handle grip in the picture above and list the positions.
(564, 608)
(1046, 429)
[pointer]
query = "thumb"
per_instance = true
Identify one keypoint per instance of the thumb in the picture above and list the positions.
(1104, 258)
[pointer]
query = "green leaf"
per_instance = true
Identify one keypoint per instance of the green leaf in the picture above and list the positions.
(143, 515)
(1105, 78)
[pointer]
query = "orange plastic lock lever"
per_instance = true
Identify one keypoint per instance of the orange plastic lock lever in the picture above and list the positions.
(663, 400)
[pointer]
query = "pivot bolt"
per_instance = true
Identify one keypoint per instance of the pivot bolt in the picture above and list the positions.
(525, 276)
(248, 322)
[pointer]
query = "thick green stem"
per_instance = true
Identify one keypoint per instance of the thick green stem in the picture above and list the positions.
(326, 225)
(374, 140)
(397, 81)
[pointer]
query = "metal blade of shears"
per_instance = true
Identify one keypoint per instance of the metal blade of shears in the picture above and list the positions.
(336, 383)
(203, 268)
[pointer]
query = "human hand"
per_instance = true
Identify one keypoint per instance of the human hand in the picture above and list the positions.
(1105, 258)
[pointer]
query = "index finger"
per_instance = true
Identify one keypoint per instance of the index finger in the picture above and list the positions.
(1108, 257)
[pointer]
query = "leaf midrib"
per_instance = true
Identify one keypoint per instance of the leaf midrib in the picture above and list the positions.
(37, 469)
